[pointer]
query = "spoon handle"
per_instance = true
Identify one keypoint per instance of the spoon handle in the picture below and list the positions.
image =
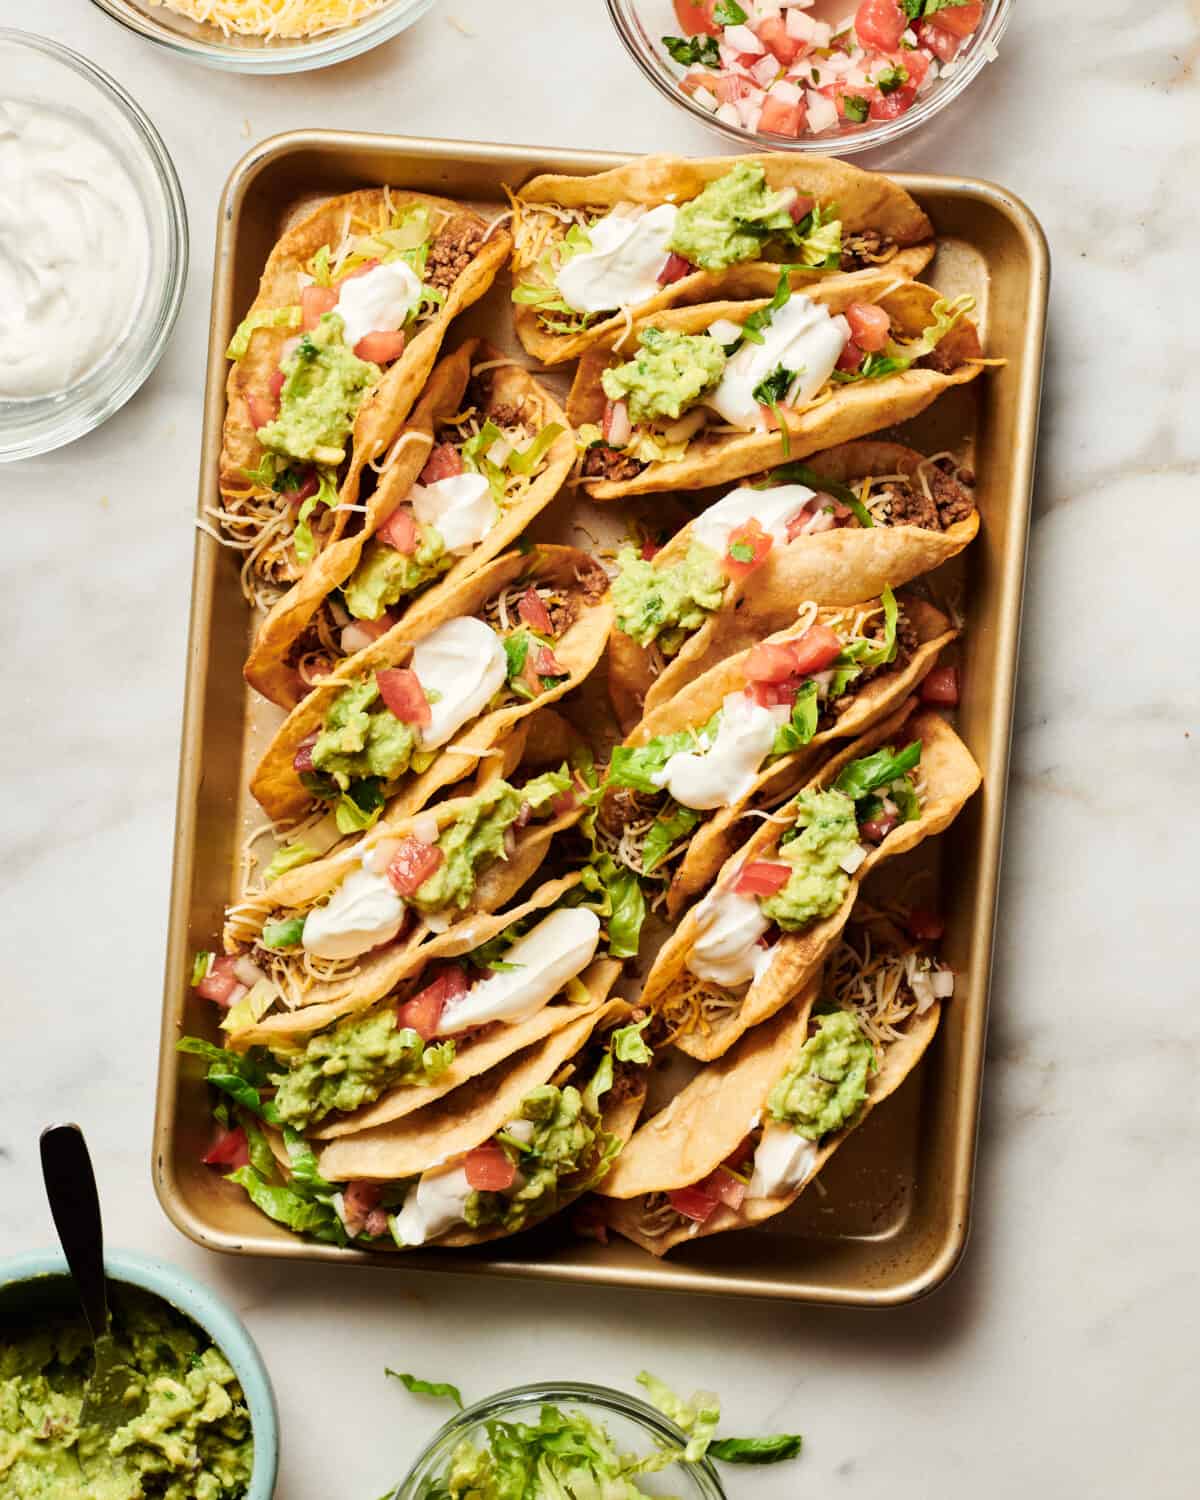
(75, 1207)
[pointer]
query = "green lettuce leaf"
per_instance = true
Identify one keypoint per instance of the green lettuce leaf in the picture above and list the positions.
(439, 1388)
(239, 1074)
(698, 1417)
(265, 317)
(527, 461)
(288, 857)
(870, 772)
(628, 1044)
(201, 963)
(303, 1215)
(765, 1450)
(802, 725)
(671, 825)
(800, 473)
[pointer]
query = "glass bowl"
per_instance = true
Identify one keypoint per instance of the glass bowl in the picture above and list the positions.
(202, 43)
(33, 69)
(38, 1286)
(635, 1427)
(642, 23)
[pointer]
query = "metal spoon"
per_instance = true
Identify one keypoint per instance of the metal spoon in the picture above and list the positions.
(75, 1207)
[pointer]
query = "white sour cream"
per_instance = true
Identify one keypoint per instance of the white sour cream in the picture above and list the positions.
(720, 773)
(558, 948)
(379, 301)
(622, 267)
(460, 507)
(463, 662)
(74, 249)
(782, 1161)
(363, 912)
(436, 1204)
(802, 337)
(726, 951)
(771, 508)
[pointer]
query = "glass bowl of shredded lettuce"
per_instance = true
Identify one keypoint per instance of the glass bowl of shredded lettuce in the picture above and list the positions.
(570, 1441)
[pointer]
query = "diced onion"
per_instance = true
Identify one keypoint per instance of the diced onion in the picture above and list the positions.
(764, 70)
(248, 971)
(425, 828)
(854, 859)
(725, 331)
(942, 983)
(785, 92)
(380, 855)
(743, 40)
(498, 453)
(355, 638)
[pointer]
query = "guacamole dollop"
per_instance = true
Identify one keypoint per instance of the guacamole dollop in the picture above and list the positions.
(827, 1083)
(361, 738)
(384, 576)
(672, 372)
(730, 219)
(817, 884)
(188, 1435)
(667, 603)
(351, 1065)
(321, 393)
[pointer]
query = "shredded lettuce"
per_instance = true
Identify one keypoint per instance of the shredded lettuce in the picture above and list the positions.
(628, 1044)
(698, 1418)
(201, 963)
(265, 317)
(241, 1075)
(288, 857)
(528, 460)
(441, 1389)
(871, 772)
(802, 725)
(671, 825)
(283, 934)
(896, 357)
(302, 537)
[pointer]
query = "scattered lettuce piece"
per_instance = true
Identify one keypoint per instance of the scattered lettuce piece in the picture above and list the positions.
(439, 1388)
(265, 317)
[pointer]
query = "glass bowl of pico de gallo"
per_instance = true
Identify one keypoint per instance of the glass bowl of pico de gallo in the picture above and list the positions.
(829, 76)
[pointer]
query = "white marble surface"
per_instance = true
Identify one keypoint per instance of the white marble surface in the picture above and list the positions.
(1056, 1361)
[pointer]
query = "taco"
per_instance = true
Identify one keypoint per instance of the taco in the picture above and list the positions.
(695, 396)
(415, 710)
(835, 529)
(352, 308)
(589, 253)
(751, 730)
(486, 449)
(740, 1143)
(782, 899)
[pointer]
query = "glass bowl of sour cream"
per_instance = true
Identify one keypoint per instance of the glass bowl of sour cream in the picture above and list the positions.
(93, 246)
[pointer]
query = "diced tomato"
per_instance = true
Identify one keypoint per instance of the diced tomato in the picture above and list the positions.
(815, 650)
(315, 302)
(546, 664)
(770, 694)
(769, 661)
(959, 20)
(359, 1199)
(230, 1149)
(695, 17)
(263, 409)
(489, 1168)
(725, 1187)
(532, 609)
(851, 356)
(762, 877)
(782, 118)
(443, 463)
(774, 35)
(367, 631)
(915, 63)
(880, 24)
(275, 385)
(892, 106)
(563, 803)
(730, 87)
(404, 696)
(650, 549)
(941, 686)
(801, 206)
(615, 425)
(800, 520)
(694, 1203)
(305, 490)
(698, 78)
(942, 43)
(412, 865)
(424, 1011)
(869, 326)
(875, 830)
(748, 538)
(675, 269)
(220, 982)
(925, 925)
(400, 531)
(381, 348)
(377, 1223)
(367, 265)
(302, 761)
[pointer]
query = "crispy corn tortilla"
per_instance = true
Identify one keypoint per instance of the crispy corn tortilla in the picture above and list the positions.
(951, 777)
(718, 836)
(864, 201)
(464, 1119)
(899, 1059)
(392, 398)
(845, 412)
(267, 667)
(276, 783)
(840, 566)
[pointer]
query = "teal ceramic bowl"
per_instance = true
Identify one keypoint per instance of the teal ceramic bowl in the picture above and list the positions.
(40, 1284)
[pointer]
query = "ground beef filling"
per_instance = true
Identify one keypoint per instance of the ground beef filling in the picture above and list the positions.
(603, 462)
(906, 644)
(949, 500)
(453, 251)
(866, 248)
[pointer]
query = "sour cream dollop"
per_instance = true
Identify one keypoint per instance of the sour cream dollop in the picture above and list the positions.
(363, 912)
(543, 961)
(726, 950)
(622, 267)
(771, 508)
(460, 507)
(435, 1205)
(782, 1161)
(379, 301)
(74, 249)
(461, 662)
(721, 772)
(802, 336)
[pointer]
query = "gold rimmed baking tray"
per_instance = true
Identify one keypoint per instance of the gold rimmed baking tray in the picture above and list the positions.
(888, 1219)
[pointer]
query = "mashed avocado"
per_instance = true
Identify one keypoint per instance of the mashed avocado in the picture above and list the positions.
(384, 576)
(352, 1064)
(667, 604)
(672, 372)
(320, 396)
(360, 740)
(826, 1085)
(188, 1436)
(730, 219)
(818, 883)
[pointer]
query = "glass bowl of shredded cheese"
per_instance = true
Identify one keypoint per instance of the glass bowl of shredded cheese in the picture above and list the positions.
(266, 36)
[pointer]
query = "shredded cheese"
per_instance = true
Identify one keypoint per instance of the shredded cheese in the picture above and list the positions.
(274, 18)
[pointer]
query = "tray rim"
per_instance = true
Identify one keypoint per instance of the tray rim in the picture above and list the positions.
(657, 1275)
